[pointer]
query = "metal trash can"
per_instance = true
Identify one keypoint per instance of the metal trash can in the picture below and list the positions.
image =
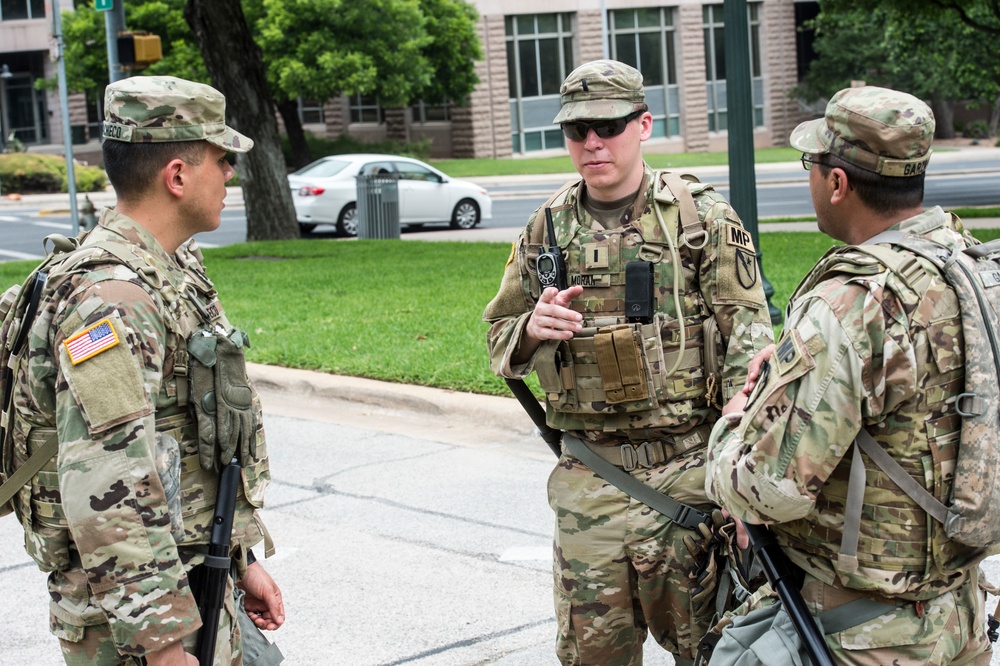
(378, 206)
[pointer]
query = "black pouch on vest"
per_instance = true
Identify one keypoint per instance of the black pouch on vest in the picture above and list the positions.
(640, 302)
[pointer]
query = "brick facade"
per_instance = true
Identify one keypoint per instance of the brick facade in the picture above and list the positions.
(694, 96)
(482, 127)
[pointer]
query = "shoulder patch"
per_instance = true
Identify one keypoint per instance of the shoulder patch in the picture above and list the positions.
(738, 236)
(91, 341)
(787, 354)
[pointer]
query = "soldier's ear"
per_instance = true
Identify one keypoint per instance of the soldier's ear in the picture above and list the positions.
(840, 185)
(174, 176)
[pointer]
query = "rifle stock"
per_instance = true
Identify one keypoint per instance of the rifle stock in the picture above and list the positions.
(779, 573)
(527, 399)
(215, 569)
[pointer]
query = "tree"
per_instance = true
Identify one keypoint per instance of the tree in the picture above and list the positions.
(397, 50)
(234, 62)
(939, 51)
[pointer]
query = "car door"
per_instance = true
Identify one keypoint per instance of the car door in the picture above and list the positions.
(421, 195)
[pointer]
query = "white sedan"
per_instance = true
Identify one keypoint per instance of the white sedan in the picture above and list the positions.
(325, 192)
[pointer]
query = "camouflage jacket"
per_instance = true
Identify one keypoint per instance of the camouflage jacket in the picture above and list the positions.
(858, 349)
(96, 516)
(712, 286)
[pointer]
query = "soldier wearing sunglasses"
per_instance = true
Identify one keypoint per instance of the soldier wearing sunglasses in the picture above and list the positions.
(661, 312)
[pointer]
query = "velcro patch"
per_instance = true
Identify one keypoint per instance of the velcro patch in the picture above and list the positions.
(91, 341)
(788, 353)
(738, 236)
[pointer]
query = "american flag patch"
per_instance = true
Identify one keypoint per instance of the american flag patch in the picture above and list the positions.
(92, 341)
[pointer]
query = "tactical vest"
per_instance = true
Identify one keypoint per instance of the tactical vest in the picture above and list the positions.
(194, 308)
(616, 374)
(901, 550)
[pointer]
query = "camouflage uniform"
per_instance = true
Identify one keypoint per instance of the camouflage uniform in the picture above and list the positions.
(117, 527)
(858, 350)
(619, 566)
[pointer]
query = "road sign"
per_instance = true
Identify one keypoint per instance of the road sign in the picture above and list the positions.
(104, 5)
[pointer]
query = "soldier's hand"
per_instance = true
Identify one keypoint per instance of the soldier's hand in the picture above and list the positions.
(552, 318)
(262, 601)
(708, 551)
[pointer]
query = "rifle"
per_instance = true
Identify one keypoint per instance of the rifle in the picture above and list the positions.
(527, 399)
(214, 577)
(779, 574)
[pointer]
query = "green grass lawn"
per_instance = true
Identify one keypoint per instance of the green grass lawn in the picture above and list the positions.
(400, 311)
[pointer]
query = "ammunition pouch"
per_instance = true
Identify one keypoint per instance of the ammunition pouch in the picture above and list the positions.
(622, 368)
(222, 398)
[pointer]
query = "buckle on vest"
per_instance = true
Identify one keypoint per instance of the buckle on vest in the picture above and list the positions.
(630, 457)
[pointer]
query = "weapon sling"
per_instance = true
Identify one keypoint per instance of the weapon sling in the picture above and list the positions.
(680, 513)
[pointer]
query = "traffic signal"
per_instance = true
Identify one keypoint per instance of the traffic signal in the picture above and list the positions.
(138, 49)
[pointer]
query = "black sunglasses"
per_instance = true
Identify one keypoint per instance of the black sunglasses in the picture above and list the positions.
(578, 130)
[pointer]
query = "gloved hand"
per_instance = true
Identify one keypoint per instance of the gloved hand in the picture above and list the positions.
(236, 429)
(709, 551)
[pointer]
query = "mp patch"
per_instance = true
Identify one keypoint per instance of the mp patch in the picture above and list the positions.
(787, 354)
(739, 237)
(91, 341)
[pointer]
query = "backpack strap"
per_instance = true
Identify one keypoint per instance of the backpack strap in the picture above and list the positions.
(672, 189)
(27, 471)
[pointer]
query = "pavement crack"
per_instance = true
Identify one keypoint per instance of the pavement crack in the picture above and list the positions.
(468, 642)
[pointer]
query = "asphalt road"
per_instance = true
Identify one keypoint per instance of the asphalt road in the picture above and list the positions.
(969, 178)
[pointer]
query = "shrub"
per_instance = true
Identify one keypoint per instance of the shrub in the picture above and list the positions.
(977, 129)
(35, 173)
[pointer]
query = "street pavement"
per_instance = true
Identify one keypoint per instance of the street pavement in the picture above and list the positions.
(411, 525)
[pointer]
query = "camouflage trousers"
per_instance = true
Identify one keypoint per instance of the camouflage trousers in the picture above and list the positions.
(621, 568)
(949, 629)
(93, 645)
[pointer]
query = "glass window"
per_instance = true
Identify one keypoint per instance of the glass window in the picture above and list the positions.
(411, 171)
(715, 65)
(430, 113)
(644, 38)
(539, 56)
(366, 109)
(323, 168)
(16, 10)
(310, 111)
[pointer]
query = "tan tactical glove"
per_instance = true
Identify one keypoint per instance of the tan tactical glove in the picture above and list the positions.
(709, 552)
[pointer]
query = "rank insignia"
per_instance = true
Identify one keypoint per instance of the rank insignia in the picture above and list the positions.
(91, 341)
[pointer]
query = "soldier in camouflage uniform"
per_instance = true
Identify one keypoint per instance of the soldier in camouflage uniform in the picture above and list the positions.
(857, 353)
(621, 568)
(121, 516)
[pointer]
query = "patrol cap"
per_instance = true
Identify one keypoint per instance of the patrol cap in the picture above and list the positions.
(881, 130)
(155, 109)
(600, 90)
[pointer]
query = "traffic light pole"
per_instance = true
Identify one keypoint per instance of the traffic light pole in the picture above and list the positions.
(114, 23)
(739, 103)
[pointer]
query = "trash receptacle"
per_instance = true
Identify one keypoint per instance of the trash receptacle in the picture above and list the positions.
(378, 206)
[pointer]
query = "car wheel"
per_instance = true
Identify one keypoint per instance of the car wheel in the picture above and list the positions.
(347, 223)
(465, 215)
(307, 228)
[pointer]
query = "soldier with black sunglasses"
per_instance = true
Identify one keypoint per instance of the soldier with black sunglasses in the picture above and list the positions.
(661, 312)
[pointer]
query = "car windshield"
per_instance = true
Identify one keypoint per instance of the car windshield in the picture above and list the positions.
(323, 168)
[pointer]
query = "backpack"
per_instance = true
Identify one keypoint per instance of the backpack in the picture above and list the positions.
(18, 307)
(974, 274)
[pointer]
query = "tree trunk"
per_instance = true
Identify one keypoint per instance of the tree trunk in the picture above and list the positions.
(235, 64)
(944, 117)
(301, 155)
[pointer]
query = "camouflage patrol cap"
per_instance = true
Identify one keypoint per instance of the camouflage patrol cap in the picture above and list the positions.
(877, 129)
(154, 109)
(599, 90)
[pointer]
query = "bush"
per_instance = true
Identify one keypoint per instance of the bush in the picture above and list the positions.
(977, 129)
(320, 147)
(35, 173)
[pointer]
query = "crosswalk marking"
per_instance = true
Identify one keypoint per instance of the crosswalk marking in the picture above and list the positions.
(19, 255)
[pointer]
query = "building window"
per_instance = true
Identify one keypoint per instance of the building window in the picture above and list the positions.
(310, 111)
(366, 109)
(539, 56)
(644, 38)
(14, 10)
(431, 113)
(715, 66)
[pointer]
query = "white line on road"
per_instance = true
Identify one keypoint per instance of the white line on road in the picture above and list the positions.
(10, 218)
(53, 225)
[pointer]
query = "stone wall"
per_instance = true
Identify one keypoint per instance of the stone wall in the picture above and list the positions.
(694, 97)
(482, 127)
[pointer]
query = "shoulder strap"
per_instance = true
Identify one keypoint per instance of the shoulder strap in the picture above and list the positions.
(682, 514)
(672, 189)
(537, 236)
(23, 475)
